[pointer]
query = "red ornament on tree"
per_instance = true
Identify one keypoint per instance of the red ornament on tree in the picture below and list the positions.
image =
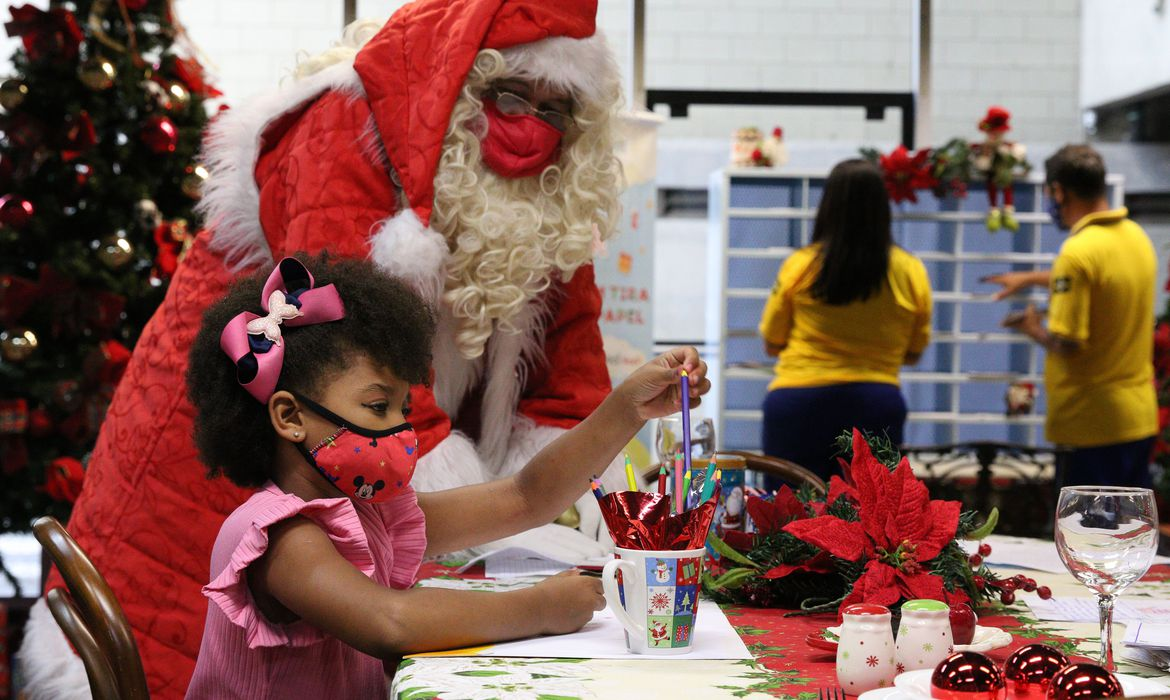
(52, 34)
(40, 424)
(78, 136)
(15, 211)
(135, 5)
(63, 479)
(159, 134)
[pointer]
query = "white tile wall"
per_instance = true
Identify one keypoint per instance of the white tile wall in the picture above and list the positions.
(1023, 54)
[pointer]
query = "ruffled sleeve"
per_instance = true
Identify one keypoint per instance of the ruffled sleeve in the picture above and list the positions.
(230, 592)
(406, 527)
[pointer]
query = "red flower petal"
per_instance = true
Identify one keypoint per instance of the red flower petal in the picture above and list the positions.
(842, 539)
(770, 516)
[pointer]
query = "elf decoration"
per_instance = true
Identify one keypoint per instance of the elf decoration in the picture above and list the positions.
(999, 161)
(947, 170)
(877, 537)
(98, 175)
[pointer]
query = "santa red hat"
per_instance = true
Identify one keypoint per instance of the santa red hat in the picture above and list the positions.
(996, 121)
(413, 71)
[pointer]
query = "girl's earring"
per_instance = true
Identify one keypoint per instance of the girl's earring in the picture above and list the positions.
(296, 433)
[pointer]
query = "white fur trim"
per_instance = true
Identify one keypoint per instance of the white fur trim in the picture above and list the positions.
(453, 463)
(510, 356)
(417, 254)
(50, 669)
(231, 200)
(455, 375)
(584, 66)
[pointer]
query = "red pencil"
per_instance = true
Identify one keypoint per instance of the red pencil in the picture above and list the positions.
(662, 479)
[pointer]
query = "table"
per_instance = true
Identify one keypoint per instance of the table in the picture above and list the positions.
(784, 665)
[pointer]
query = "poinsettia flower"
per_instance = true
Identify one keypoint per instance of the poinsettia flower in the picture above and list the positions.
(839, 487)
(905, 173)
(820, 563)
(900, 529)
(771, 515)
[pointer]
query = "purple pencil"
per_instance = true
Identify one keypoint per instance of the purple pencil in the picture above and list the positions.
(686, 419)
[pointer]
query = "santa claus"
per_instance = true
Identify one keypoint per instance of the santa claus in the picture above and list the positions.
(466, 146)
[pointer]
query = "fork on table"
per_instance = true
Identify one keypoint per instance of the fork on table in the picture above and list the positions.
(832, 693)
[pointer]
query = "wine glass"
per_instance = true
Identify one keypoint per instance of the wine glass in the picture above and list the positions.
(668, 440)
(1107, 537)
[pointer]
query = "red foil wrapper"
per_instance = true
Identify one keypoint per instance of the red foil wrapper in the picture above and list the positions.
(638, 520)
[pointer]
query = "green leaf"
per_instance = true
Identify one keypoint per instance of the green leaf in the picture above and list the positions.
(725, 550)
(987, 528)
(734, 578)
(481, 674)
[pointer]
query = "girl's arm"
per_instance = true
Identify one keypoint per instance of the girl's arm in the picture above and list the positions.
(304, 577)
(558, 474)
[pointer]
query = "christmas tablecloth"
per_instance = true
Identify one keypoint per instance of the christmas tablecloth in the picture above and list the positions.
(785, 666)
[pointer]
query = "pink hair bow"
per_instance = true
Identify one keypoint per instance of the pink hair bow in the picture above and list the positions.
(255, 343)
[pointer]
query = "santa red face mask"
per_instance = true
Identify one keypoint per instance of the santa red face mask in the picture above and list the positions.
(366, 465)
(518, 145)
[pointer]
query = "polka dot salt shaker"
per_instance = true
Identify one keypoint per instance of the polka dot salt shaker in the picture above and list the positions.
(865, 652)
(924, 635)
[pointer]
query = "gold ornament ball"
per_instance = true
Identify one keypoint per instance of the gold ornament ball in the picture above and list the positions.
(115, 252)
(178, 97)
(18, 344)
(12, 93)
(97, 73)
(192, 184)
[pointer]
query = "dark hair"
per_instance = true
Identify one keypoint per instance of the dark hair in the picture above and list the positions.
(1079, 170)
(853, 228)
(384, 321)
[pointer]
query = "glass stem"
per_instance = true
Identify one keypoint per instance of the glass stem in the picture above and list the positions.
(1105, 604)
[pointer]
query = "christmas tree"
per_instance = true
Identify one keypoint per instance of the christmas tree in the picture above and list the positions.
(100, 130)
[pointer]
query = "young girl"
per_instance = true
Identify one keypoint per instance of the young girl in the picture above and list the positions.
(300, 384)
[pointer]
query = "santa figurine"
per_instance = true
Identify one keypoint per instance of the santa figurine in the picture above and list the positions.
(1000, 162)
(466, 147)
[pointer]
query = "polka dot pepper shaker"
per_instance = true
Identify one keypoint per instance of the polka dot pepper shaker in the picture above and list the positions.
(865, 652)
(924, 635)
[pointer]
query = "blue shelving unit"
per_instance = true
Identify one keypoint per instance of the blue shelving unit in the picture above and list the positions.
(956, 392)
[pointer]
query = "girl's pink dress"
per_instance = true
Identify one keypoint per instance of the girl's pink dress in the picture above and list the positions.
(243, 655)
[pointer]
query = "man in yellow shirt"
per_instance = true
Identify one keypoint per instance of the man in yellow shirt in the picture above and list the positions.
(1099, 337)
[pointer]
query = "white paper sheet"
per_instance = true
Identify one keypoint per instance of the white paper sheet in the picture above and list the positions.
(1084, 608)
(1026, 553)
(1140, 633)
(512, 562)
(604, 638)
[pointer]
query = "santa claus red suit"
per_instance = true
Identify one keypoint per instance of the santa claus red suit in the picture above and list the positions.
(398, 151)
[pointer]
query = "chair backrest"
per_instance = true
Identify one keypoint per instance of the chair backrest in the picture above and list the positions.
(91, 618)
(787, 471)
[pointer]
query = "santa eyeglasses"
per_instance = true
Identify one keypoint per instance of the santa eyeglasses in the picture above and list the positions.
(514, 105)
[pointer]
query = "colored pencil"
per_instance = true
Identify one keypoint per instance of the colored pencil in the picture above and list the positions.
(630, 479)
(686, 491)
(598, 490)
(686, 417)
(662, 479)
(708, 481)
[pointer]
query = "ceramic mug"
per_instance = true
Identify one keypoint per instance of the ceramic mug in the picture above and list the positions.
(924, 635)
(865, 652)
(654, 594)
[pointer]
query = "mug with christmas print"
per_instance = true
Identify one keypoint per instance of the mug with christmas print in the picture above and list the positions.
(654, 595)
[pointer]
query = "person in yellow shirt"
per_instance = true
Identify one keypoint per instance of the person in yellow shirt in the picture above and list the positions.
(1099, 339)
(845, 313)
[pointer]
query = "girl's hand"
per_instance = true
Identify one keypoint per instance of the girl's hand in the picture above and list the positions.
(568, 600)
(654, 389)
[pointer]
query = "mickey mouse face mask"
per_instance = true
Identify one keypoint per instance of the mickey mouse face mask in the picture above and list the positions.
(366, 465)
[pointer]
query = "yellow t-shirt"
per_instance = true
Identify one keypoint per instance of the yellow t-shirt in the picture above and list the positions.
(1102, 296)
(865, 341)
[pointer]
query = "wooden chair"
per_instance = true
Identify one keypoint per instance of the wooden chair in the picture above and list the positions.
(92, 619)
(788, 472)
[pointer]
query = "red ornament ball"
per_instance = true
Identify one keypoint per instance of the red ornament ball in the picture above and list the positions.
(15, 211)
(1029, 669)
(160, 135)
(40, 423)
(1077, 681)
(967, 675)
(984, 549)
